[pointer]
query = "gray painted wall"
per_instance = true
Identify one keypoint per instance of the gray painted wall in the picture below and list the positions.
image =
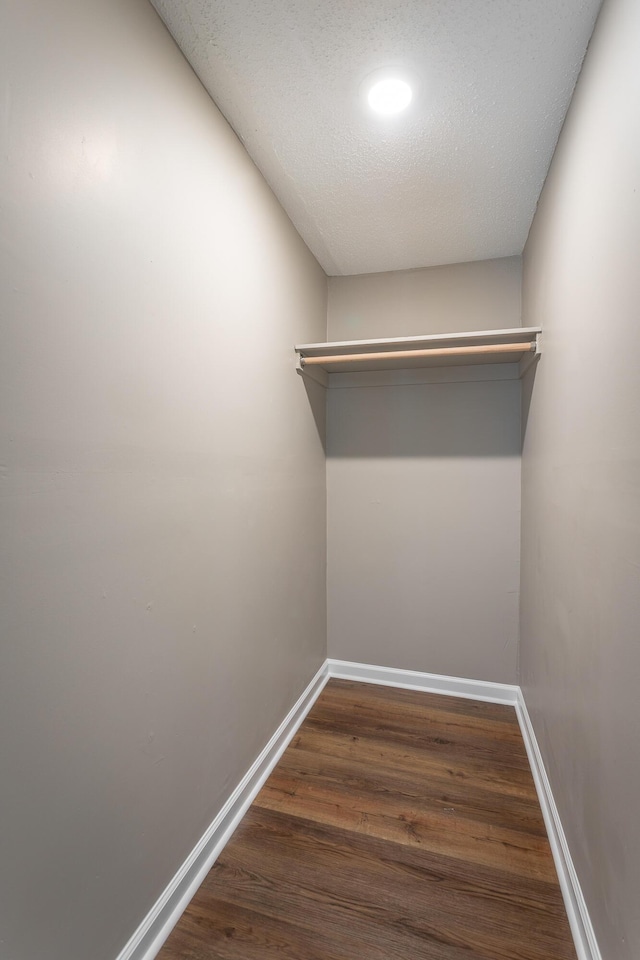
(423, 484)
(162, 483)
(580, 658)
(483, 295)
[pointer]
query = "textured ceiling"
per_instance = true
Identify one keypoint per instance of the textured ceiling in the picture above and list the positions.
(454, 178)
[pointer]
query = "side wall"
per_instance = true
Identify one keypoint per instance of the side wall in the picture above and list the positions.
(580, 657)
(423, 482)
(162, 477)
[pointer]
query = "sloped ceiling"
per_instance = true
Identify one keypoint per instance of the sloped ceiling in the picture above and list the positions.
(454, 178)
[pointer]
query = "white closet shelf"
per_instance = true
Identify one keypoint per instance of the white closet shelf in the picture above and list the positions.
(516, 345)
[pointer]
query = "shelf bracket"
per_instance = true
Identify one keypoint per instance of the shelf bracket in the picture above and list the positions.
(531, 358)
(312, 373)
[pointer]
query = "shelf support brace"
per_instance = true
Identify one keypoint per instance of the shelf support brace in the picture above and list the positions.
(316, 374)
(528, 360)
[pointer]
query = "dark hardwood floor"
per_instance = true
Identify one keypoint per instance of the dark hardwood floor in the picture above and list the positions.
(397, 826)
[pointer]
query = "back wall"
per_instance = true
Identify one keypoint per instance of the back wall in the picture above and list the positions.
(423, 481)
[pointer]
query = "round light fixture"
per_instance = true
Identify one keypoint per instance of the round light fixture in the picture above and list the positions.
(389, 95)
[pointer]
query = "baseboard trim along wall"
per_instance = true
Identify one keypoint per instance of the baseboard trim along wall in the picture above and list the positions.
(428, 682)
(146, 942)
(163, 916)
(577, 912)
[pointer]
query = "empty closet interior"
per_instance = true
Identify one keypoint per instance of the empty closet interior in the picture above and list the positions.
(277, 397)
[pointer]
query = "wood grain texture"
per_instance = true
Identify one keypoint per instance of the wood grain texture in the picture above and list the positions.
(398, 825)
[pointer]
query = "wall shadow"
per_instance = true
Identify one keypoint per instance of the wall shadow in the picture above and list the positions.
(317, 397)
(469, 419)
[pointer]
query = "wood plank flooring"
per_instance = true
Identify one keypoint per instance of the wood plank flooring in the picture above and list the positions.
(398, 825)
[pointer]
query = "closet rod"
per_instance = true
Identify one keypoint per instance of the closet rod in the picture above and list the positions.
(410, 354)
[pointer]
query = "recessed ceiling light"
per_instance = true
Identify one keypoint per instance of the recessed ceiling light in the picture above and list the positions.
(389, 95)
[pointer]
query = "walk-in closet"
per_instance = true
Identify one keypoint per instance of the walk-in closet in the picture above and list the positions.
(319, 480)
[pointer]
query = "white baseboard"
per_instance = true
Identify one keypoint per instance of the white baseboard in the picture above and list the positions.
(159, 922)
(577, 913)
(163, 916)
(427, 682)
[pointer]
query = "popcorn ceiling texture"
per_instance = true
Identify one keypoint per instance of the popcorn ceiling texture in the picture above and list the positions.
(455, 178)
